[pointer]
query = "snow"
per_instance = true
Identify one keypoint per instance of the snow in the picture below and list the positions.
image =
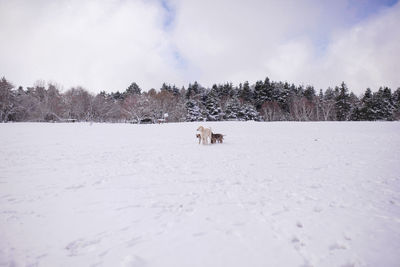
(273, 194)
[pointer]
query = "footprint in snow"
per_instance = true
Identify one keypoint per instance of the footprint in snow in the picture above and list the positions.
(317, 209)
(81, 246)
(297, 243)
(337, 245)
(133, 261)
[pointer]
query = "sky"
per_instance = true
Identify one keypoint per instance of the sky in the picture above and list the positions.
(106, 45)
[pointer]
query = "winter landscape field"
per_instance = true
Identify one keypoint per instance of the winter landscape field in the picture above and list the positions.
(273, 194)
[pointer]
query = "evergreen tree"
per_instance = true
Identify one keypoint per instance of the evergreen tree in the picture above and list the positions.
(175, 90)
(227, 90)
(117, 96)
(248, 112)
(354, 113)
(7, 100)
(342, 103)
(166, 87)
(193, 90)
(309, 93)
(367, 110)
(384, 104)
(245, 93)
(263, 92)
(193, 112)
(132, 90)
(260, 94)
(212, 108)
(396, 98)
(171, 89)
(281, 93)
(232, 109)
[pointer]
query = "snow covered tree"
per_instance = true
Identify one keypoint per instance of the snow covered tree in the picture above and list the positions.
(248, 112)
(105, 108)
(232, 109)
(396, 104)
(193, 90)
(384, 104)
(354, 113)
(367, 110)
(7, 100)
(212, 109)
(260, 94)
(309, 93)
(78, 104)
(245, 92)
(133, 89)
(281, 93)
(342, 103)
(193, 112)
(327, 105)
(301, 109)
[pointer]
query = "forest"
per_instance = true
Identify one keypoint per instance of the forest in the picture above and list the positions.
(263, 101)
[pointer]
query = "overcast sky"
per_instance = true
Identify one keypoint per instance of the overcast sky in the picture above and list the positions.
(106, 45)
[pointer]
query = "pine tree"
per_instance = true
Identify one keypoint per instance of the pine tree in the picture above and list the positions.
(354, 113)
(227, 90)
(7, 100)
(396, 104)
(309, 93)
(281, 93)
(166, 87)
(342, 103)
(212, 108)
(384, 104)
(396, 98)
(132, 90)
(264, 92)
(232, 109)
(248, 112)
(175, 90)
(193, 90)
(245, 93)
(259, 94)
(193, 111)
(367, 110)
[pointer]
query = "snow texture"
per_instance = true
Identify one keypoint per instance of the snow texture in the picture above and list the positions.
(273, 194)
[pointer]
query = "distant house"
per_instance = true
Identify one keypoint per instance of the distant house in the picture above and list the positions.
(164, 119)
(146, 121)
(67, 120)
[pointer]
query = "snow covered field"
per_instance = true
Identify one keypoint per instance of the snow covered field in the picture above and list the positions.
(274, 194)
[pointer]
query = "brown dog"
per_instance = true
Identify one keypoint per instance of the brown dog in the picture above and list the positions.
(199, 136)
(217, 137)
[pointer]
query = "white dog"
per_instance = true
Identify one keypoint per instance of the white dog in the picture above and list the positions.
(205, 134)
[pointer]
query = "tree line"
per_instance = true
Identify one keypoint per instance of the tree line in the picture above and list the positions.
(263, 101)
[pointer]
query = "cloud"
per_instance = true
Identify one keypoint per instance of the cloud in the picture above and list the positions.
(101, 45)
(363, 55)
(366, 55)
(106, 45)
(308, 42)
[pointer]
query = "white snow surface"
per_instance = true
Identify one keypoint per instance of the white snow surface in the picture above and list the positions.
(273, 194)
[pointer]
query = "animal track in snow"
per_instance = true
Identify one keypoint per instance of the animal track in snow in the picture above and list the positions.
(80, 246)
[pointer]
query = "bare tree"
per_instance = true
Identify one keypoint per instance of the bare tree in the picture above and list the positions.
(104, 108)
(302, 109)
(136, 107)
(78, 103)
(271, 111)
